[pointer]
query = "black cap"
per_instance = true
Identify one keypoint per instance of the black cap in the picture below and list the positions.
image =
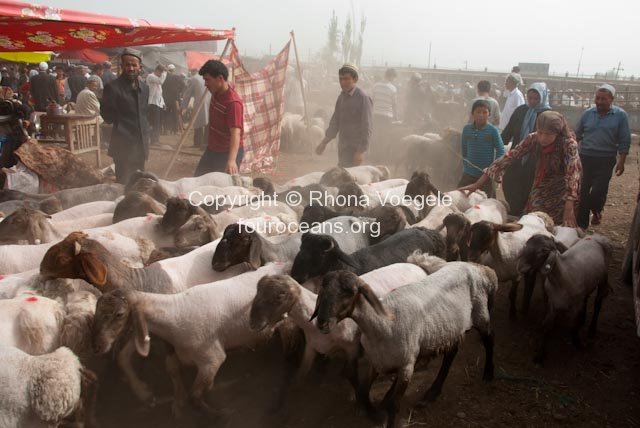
(132, 52)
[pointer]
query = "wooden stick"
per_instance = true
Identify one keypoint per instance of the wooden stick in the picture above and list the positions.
(196, 110)
(299, 72)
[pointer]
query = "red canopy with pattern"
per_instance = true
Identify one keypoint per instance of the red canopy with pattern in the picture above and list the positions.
(30, 27)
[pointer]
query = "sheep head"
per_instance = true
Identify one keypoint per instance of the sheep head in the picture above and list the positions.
(538, 255)
(275, 296)
(151, 188)
(420, 185)
(239, 243)
(178, 212)
(24, 224)
(76, 257)
(264, 184)
(484, 236)
(336, 176)
(136, 204)
(51, 205)
(338, 297)
(458, 235)
(198, 230)
(116, 312)
(318, 255)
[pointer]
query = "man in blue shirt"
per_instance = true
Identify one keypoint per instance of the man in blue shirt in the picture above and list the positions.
(602, 132)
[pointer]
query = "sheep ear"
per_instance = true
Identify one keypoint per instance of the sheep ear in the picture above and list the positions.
(94, 269)
(77, 247)
(508, 227)
(141, 332)
(369, 295)
(315, 311)
(255, 252)
(549, 263)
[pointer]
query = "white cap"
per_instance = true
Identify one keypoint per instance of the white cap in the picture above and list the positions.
(171, 67)
(607, 87)
(43, 66)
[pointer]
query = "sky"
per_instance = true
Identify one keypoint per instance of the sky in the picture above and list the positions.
(496, 34)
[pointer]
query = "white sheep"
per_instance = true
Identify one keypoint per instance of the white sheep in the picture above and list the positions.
(84, 210)
(40, 391)
(215, 315)
(422, 319)
(499, 245)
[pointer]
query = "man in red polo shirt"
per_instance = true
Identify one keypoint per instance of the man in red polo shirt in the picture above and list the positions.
(224, 151)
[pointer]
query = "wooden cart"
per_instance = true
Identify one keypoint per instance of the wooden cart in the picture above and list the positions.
(79, 134)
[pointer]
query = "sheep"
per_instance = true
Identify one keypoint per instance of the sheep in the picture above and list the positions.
(216, 315)
(242, 243)
(422, 319)
(320, 254)
(41, 391)
(202, 228)
(78, 257)
(35, 227)
(84, 210)
(503, 243)
(458, 226)
(363, 174)
(21, 258)
(71, 197)
(185, 185)
(150, 187)
(568, 235)
(38, 325)
(571, 277)
(279, 296)
(9, 207)
(136, 204)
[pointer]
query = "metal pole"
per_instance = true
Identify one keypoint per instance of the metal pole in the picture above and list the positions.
(429, 63)
(304, 97)
(580, 62)
(199, 105)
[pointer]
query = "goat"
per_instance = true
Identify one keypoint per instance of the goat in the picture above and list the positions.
(571, 276)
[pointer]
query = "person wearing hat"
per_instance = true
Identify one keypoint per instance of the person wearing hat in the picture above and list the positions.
(172, 90)
(603, 133)
(157, 105)
(125, 104)
(43, 88)
(76, 82)
(352, 119)
(87, 103)
(108, 76)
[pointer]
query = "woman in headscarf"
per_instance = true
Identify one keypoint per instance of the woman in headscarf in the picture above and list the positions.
(518, 178)
(556, 183)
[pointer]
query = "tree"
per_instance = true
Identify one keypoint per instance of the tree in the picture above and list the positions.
(330, 50)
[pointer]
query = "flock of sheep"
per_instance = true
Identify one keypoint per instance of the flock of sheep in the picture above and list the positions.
(108, 268)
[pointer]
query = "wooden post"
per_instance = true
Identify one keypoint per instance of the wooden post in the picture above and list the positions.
(304, 97)
(196, 110)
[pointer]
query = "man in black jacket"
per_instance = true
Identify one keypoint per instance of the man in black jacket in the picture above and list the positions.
(43, 88)
(125, 104)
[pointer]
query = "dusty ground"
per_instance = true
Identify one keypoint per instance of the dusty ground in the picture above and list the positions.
(596, 387)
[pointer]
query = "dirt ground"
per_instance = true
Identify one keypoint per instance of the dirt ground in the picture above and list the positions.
(598, 386)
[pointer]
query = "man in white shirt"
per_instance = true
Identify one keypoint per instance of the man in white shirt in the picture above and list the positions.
(87, 103)
(384, 111)
(156, 101)
(514, 99)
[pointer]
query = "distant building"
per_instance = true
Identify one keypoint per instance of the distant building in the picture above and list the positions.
(534, 68)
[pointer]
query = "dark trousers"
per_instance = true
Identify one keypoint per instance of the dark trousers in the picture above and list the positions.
(345, 156)
(596, 173)
(215, 162)
(200, 136)
(489, 187)
(125, 167)
(155, 121)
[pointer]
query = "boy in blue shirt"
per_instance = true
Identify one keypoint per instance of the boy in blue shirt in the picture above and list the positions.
(481, 145)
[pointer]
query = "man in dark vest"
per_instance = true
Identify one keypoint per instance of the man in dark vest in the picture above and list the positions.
(125, 105)
(43, 88)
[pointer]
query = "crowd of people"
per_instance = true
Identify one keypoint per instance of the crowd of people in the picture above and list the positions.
(547, 166)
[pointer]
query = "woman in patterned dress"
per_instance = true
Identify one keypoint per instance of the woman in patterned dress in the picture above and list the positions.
(556, 186)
